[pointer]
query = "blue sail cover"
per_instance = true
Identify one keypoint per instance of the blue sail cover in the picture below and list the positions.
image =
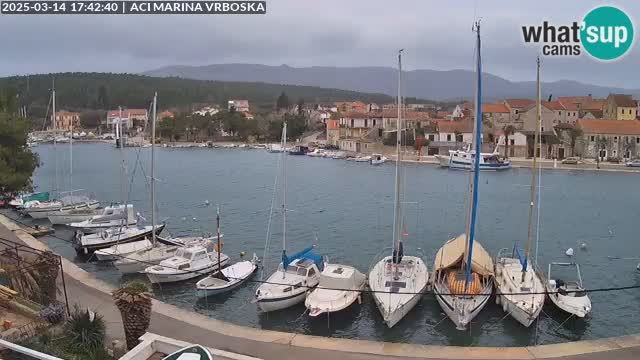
(522, 258)
(307, 253)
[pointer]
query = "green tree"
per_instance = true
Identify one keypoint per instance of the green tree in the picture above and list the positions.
(300, 104)
(103, 98)
(507, 130)
(574, 134)
(17, 162)
(296, 126)
(91, 119)
(282, 102)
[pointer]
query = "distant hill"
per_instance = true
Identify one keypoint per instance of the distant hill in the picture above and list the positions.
(426, 84)
(78, 91)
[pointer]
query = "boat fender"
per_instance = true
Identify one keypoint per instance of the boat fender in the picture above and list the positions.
(103, 235)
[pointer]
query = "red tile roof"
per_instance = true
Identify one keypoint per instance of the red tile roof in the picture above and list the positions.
(447, 126)
(553, 105)
(610, 127)
(495, 108)
(623, 100)
(519, 103)
(595, 104)
(361, 115)
(582, 100)
(127, 113)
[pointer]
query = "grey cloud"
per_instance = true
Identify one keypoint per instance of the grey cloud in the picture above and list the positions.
(435, 34)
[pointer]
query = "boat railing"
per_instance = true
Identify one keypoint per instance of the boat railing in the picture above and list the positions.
(504, 253)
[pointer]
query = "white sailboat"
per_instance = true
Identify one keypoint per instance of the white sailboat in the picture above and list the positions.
(155, 251)
(518, 285)
(228, 278)
(398, 281)
(89, 243)
(296, 274)
(463, 270)
(71, 207)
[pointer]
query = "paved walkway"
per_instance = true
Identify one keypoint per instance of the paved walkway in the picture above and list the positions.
(170, 321)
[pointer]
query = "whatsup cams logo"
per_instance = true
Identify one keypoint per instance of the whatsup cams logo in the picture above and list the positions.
(605, 33)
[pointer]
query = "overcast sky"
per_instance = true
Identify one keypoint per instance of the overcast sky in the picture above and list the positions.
(434, 34)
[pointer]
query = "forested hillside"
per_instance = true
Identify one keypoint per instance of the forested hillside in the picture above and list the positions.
(102, 91)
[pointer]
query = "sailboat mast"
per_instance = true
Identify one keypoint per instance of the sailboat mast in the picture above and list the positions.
(71, 158)
(218, 237)
(120, 144)
(477, 132)
(284, 187)
(534, 173)
(153, 169)
(55, 136)
(396, 210)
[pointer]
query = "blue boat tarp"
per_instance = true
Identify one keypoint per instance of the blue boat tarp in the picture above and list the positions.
(522, 258)
(307, 253)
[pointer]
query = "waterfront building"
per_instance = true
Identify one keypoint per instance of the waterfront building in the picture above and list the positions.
(238, 105)
(498, 114)
(620, 107)
(609, 139)
(64, 120)
(351, 107)
(128, 117)
(517, 107)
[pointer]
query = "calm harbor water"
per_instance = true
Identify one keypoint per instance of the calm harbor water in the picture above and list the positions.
(348, 208)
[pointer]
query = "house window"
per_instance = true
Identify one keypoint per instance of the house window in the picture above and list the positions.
(513, 142)
(351, 122)
(433, 138)
(615, 139)
(542, 129)
(366, 122)
(638, 140)
(448, 137)
(559, 112)
(374, 122)
(593, 138)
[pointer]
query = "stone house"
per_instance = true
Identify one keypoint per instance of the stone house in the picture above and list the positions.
(65, 120)
(609, 138)
(359, 125)
(516, 108)
(498, 114)
(620, 107)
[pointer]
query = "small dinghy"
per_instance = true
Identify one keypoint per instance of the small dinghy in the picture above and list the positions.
(227, 279)
(194, 352)
(378, 159)
(568, 295)
(326, 298)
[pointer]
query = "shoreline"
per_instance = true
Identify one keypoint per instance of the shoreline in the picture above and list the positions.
(411, 158)
(171, 321)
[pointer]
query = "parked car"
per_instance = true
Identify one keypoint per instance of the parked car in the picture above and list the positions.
(633, 163)
(614, 160)
(573, 160)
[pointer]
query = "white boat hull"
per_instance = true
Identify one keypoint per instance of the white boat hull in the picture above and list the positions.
(578, 306)
(395, 305)
(122, 250)
(319, 308)
(523, 308)
(64, 219)
(237, 275)
(275, 304)
(43, 213)
(136, 263)
(453, 306)
(178, 276)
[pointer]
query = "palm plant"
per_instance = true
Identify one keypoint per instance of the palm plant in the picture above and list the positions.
(134, 302)
(85, 330)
